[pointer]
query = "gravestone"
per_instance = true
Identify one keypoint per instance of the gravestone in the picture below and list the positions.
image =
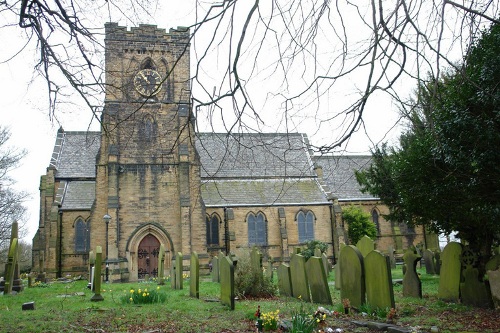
(269, 270)
(173, 274)
(226, 281)
(97, 276)
(473, 291)
(324, 258)
(412, 286)
(429, 262)
(337, 269)
(450, 273)
(161, 265)
(494, 278)
(392, 259)
(91, 269)
(194, 276)
(215, 269)
(11, 266)
(256, 259)
(378, 280)
(437, 262)
(299, 277)
(318, 281)
(284, 280)
(365, 245)
(493, 264)
(178, 271)
(352, 275)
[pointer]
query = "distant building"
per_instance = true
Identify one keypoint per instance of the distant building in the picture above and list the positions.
(147, 179)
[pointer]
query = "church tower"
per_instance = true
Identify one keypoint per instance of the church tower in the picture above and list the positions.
(147, 169)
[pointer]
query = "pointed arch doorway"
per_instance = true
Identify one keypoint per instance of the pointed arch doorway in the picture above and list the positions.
(147, 257)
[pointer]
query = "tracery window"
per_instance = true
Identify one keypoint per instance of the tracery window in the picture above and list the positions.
(305, 223)
(257, 229)
(212, 224)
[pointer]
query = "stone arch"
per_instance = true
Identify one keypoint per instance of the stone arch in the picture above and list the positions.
(135, 239)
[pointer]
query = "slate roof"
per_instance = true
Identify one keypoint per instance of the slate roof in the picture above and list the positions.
(338, 174)
(257, 169)
(256, 155)
(74, 154)
(79, 195)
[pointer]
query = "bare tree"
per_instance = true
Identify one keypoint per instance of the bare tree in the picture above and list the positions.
(11, 202)
(267, 66)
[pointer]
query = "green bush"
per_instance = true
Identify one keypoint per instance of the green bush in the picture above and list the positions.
(144, 296)
(312, 245)
(251, 282)
(358, 223)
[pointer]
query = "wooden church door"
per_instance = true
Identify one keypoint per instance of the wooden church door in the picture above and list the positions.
(147, 256)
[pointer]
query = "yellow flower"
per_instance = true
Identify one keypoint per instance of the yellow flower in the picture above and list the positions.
(300, 297)
(144, 295)
(146, 290)
(157, 288)
(139, 291)
(131, 299)
(131, 291)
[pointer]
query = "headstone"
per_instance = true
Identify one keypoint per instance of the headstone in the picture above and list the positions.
(317, 252)
(97, 276)
(474, 292)
(161, 265)
(451, 267)
(493, 264)
(91, 269)
(92, 275)
(378, 279)
(326, 264)
(437, 262)
(173, 274)
(226, 281)
(256, 259)
(337, 269)
(365, 245)
(284, 280)
(494, 278)
(429, 262)
(269, 270)
(352, 275)
(392, 260)
(194, 276)
(178, 271)
(412, 286)
(215, 269)
(11, 266)
(299, 277)
(318, 281)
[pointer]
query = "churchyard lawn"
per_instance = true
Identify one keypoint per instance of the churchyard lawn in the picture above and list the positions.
(66, 307)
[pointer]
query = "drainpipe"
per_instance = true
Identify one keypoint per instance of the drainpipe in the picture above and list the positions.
(59, 264)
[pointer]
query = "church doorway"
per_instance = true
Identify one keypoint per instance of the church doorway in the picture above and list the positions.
(147, 257)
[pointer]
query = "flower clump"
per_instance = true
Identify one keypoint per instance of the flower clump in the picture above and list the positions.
(144, 296)
(270, 320)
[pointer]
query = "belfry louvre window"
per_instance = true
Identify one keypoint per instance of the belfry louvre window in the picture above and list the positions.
(257, 230)
(82, 236)
(212, 223)
(305, 222)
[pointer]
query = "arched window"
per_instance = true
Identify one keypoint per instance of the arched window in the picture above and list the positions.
(212, 223)
(82, 236)
(305, 222)
(257, 230)
(375, 220)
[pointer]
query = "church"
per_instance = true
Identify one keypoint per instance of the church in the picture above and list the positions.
(146, 178)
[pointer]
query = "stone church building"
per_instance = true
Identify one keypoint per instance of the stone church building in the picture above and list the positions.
(148, 179)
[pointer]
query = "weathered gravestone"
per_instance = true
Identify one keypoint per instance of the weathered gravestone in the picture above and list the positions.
(269, 269)
(337, 269)
(194, 276)
(226, 281)
(91, 270)
(494, 278)
(300, 286)
(256, 259)
(451, 268)
(392, 259)
(97, 276)
(284, 280)
(11, 266)
(326, 264)
(173, 274)
(412, 286)
(161, 265)
(318, 281)
(215, 269)
(365, 245)
(352, 275)
(378, 279)
(473, 291)
(437, 262)
(428, 257)
(178, 271)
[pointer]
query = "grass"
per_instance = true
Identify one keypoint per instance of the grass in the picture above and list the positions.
(66, 307)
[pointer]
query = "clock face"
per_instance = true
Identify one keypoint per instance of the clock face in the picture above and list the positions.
(147, 82)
